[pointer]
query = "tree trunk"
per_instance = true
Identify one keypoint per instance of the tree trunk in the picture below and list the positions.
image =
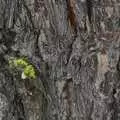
(74, 45)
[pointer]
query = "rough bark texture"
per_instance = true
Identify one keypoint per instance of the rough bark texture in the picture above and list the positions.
(76, 43)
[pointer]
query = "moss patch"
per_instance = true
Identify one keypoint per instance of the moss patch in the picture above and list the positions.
(28, 70)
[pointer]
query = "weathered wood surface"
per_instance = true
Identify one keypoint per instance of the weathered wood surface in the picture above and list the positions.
(77, 45)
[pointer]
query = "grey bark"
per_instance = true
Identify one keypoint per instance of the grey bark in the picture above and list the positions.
(78, 64)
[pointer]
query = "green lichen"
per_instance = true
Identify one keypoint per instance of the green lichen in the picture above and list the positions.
(28, 70)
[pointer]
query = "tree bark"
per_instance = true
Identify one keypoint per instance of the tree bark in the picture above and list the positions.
(74, 45)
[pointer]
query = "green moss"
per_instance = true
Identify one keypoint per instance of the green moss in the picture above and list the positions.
(28, 70)
(20, 63)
